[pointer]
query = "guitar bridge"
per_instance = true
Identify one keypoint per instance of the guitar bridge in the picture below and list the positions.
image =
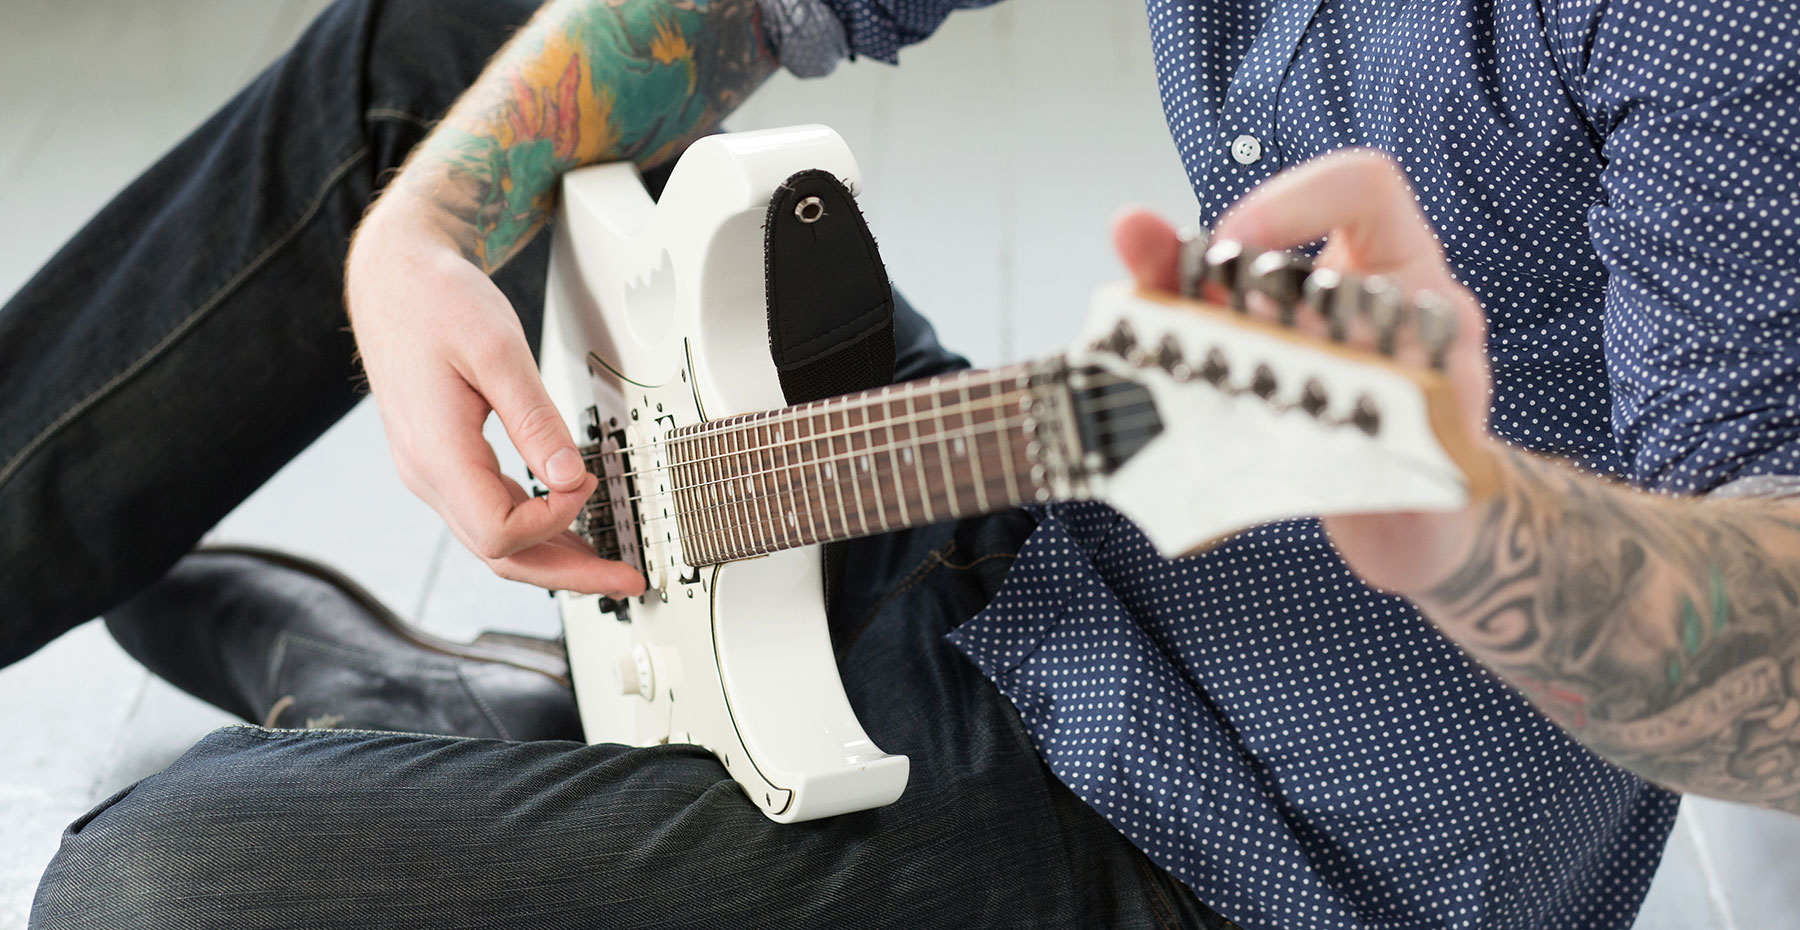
(608, 521)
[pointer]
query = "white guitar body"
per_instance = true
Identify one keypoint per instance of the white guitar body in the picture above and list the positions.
(1194, 419)
(654, 318)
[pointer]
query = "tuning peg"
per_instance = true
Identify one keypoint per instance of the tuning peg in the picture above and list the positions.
(1169, 358)
(1191, 260)
(1120, 341)
(1320, 290)
(1313, 399)
(1343, 305)
(1225, 264)
(1366, 416)
(1216, 370)
(1383, 306)
(1264, 383)
(1281, 278)
(1435, 318)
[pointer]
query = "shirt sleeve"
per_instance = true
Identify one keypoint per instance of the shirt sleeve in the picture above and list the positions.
(1695, 109)
(811, 36)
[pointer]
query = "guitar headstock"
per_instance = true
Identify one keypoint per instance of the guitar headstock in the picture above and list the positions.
(1302, 392)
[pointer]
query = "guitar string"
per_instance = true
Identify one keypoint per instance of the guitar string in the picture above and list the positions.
(871, 398)
(838, 461)
(1123, 428)
(749, 504)
(992, 403)
(740, 426)
(789, 482)
(891, 394)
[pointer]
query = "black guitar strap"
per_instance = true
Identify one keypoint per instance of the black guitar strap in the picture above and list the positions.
(831, 309)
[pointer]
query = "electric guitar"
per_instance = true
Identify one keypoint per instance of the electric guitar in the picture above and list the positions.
(1194, 419)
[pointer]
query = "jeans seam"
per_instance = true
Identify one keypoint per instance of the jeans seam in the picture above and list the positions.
(965, 566)
(919, 572)
(1164, 911)
(186, 325)
(393, 114)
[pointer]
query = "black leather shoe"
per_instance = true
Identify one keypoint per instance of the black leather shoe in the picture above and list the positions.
(286, 642)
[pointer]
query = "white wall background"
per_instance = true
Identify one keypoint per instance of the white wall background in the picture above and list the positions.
(991, 162)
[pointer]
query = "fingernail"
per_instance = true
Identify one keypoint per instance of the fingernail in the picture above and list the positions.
(563, 466)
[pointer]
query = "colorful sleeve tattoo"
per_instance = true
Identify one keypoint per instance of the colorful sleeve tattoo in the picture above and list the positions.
(1665, 634)
(586, 81)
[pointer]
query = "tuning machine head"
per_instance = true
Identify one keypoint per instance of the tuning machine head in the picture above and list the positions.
(1190, 264)
(1435, 318)
(1383, 308)
(1226, 264)
(1281, 278)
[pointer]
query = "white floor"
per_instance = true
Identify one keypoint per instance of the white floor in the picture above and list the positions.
(991, 162)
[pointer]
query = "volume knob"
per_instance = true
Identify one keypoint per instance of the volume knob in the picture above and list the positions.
(637, 674)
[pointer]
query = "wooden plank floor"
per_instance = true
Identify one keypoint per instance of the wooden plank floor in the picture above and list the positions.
(991, 161)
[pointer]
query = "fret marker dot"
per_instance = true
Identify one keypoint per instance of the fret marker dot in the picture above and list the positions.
(906, 456)
(958, 446)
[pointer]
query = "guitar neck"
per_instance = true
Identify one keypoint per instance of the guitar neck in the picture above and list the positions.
(895, 457)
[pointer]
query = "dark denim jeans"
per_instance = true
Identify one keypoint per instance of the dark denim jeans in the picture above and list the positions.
(191, 340)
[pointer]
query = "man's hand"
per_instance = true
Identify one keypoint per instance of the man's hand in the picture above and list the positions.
(1664, 634)
(586, 81)
(1360, 204)
(435, 385)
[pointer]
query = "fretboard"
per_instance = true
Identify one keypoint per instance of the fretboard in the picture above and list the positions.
(896, 457)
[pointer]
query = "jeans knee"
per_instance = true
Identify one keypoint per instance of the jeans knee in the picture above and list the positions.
(112, 871)
(161, 853)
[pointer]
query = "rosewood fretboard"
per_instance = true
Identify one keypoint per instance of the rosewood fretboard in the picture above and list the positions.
(900, 456)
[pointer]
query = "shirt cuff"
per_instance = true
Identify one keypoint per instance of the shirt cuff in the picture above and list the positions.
(809, 39)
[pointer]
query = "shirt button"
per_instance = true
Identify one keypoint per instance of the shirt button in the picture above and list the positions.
(1246, 150)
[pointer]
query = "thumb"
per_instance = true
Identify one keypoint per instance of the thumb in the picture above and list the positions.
(1148, 247)
(512, 387)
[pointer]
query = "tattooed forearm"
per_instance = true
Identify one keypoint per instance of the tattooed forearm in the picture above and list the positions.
(586, 81)
(1665, 634)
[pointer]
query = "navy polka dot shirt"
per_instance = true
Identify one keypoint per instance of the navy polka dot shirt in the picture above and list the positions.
(1617, 182)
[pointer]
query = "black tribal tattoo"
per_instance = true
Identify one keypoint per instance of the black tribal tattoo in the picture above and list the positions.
(1665, 634)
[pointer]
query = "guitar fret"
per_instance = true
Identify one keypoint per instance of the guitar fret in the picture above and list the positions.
(770, 496)
(823, 471)
(872, 458)
(937, 417)
(735, 466)
(910, 453)
(862, 517)
(971, 427)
